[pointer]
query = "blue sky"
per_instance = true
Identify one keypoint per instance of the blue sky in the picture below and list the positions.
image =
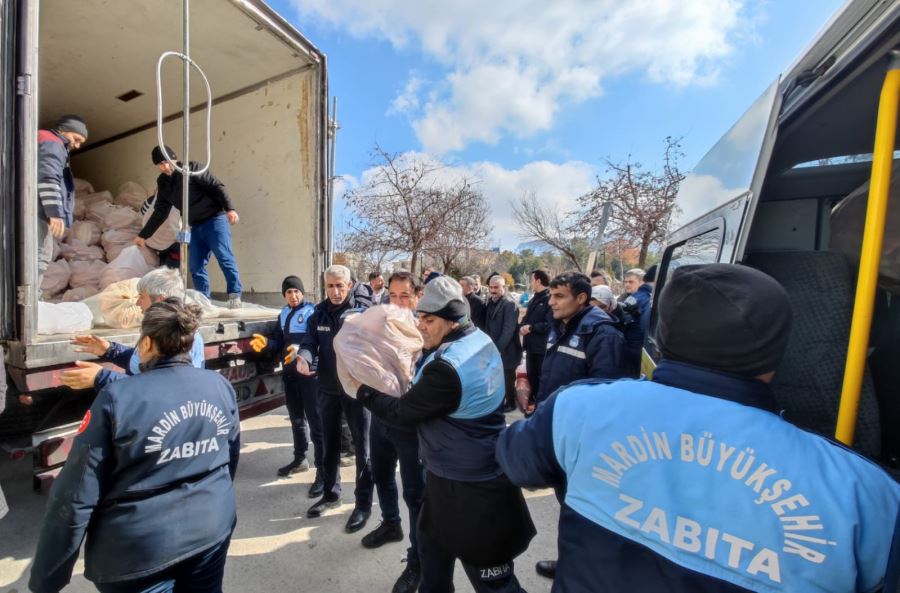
(531, 96)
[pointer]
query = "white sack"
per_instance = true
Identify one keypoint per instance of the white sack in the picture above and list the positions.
(63, 318)
(115, 240)
(75, 250)
(96, 211)
(378, 348)
(86, 273)
(122, 217)
(167, 232)
(83, 187)
(131, 194)
(56, 278)
(85, 231)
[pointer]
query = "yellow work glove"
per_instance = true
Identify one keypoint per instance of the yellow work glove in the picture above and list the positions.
(291, 355)
(258, 343)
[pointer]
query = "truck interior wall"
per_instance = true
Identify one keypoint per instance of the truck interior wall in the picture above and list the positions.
(264, 150)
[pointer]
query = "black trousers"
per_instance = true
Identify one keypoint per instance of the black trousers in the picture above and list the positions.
(391, 445)
(438, 565)
(509, 380)
(533, 364)
(331, 405)
(301, 397)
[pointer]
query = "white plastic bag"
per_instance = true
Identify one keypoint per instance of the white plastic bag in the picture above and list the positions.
(97, 210)
(115, 240)
(118, 304)
(63, 318)
(56, 278)
(130, 263)
(131, 194)
(378, 348)
(86, 231)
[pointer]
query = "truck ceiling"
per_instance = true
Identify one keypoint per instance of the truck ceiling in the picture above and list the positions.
(88, 67)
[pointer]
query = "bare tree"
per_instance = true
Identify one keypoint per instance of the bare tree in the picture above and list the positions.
(642, 201)
(398, 210)
(465, 225)
(559, 230)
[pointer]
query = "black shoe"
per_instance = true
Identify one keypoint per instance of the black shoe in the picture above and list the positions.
(546, 568)
(384, 533)
(297, 466)
(409, 579)
(317, 488)
(317, 509)
(357, 520)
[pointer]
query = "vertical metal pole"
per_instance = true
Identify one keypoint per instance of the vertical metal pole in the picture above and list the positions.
(186, 139)
(332, 134)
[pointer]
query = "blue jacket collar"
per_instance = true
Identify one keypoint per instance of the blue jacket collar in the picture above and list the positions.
(160, 363)
(741, 390)
(583, 321)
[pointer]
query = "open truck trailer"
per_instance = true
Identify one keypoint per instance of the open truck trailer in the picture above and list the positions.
(269, 139)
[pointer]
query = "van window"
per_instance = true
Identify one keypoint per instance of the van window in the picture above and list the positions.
(702, 249)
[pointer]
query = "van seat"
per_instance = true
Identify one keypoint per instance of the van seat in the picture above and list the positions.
(808, 383)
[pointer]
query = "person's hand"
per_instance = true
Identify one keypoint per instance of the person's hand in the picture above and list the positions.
(140, 242)
(303, 366)
(291, 353)
(233, 217)
(91, 344)
(525, 330)
(258, 343)
(57, 227)
(81, 377)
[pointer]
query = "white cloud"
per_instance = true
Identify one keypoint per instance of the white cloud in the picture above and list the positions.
(510, 66)
(557, 185)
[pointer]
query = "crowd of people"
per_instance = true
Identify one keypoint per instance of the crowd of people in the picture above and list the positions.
(689, 481)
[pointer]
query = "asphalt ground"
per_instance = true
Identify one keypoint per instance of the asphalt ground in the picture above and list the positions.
(275, 547)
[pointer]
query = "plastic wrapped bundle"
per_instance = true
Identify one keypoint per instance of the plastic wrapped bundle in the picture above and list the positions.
(63, 318)
(378, 348)
(131, 194)
(56, 278)
(75, 250)
(83, 187)
(86, 273)
(167, 233)
(130, 263)
(122, 217)
(118, 304)
(86, 231)
(79, 294)
(115, 240)
(96, 211)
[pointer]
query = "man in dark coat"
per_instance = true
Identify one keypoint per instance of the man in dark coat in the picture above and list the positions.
(324, 324)
(476, 303)
(470, 510)
(501, 324)
(211, 215)
(535, 326)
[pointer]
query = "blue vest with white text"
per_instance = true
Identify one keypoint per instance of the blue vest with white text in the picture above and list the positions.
(480, 370)
(726, 490)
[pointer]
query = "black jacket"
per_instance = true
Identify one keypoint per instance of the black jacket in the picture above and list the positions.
(539, 316)
(206, 198)
(502, 325)
(476, 309)
(322, 326)
(469, 506)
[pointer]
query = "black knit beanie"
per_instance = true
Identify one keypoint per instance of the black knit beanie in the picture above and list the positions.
(157, 155)
(726, 317)
(291, 282)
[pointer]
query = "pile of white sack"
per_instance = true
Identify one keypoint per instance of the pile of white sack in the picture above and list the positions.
(92, 254)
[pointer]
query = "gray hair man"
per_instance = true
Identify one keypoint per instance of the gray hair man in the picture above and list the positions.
(502, 325)
(318, 344)
(476, 303)
(155, 286)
